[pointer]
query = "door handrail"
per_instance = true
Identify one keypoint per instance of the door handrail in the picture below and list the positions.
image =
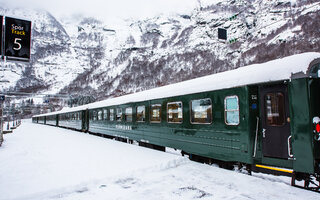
(289, 147)
(256, 138)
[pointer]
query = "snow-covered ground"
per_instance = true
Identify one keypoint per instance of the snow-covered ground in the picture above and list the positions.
(43, 162)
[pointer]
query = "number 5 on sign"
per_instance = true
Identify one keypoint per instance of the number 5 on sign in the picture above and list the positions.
(17, 39)
(16, 42)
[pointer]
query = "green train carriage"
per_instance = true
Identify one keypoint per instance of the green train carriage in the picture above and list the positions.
(260, 115)
(210, 139)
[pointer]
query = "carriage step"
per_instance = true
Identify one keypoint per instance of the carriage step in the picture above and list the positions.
(272, 170)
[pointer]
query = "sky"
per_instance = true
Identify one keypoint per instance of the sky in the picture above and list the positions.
(124, 9)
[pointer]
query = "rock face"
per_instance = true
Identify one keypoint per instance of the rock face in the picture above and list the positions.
(88, 57)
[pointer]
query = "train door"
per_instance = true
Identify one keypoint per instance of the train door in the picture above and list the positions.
(275, 121)
(85, 120)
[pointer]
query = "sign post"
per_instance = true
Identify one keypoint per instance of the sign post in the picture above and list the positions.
(1, 102)
(1, 41)
(2, 98)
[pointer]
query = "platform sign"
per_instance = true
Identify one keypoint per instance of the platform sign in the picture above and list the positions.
(17, 39)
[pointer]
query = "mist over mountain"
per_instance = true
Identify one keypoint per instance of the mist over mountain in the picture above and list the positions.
(85, 56)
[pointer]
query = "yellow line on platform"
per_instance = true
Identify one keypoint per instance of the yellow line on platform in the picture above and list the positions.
(276, 169)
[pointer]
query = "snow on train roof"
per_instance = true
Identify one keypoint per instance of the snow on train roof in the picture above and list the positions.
(276, 70)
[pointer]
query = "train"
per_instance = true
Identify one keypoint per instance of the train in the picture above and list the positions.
(263, 117)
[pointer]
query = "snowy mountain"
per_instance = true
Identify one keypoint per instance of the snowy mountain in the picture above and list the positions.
(82, 55)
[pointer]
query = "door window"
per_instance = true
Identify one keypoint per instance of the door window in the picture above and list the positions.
(274, 106)
(231, 110)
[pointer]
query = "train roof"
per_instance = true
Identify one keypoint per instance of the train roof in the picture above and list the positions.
(276, 70)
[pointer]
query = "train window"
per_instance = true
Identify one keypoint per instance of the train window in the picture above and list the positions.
(112, 114)
(141, 114)
(105, 114)
(100, 115)
(201, 111)
(174, 112)
(274, 106)
(94, 115)
(155, 113)
(128, 114)
(231, 110)
(119, 115)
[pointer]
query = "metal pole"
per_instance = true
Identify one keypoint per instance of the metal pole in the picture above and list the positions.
(1, 123)
(1, 110)
(3, 64)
